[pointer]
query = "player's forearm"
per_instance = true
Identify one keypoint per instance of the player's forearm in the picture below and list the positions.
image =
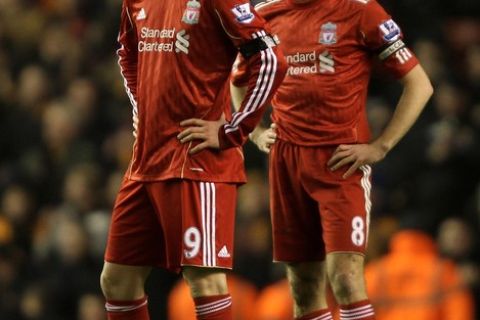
(267, 70)
(417, 90)
(238, 95)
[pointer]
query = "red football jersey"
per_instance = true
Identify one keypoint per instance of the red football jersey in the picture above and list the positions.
(176, 57)
(329, 46)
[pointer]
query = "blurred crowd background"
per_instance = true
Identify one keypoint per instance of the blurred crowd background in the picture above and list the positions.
(66, 136)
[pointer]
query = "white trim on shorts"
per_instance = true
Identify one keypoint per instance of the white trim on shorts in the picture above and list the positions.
(209, 212)
(367, 188)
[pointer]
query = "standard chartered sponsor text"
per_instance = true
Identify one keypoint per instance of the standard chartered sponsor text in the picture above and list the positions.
(307, 63)
(144, 46)
(308, 58)
(302, 57)
(156, 46)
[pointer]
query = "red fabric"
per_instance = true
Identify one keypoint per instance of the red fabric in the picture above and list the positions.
(361, 310)
(127, 310)
(171, 76)
(214, 307)
(323, 314)
(322, 100)
(151, 220)
(314, 210)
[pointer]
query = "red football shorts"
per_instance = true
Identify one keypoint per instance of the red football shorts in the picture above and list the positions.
(316, 211)
(173, 223)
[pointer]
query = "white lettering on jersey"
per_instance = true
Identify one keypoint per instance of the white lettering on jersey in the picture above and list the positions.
(163, 40)
(310, 63)
(146, 32)
(242, 13)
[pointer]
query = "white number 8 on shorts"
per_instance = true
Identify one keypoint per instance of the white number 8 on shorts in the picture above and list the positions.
(358, 233)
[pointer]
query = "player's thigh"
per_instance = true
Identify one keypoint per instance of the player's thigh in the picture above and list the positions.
(198, 221)
(135, 237)
(344, 206)
(122, 282)
(296, 225)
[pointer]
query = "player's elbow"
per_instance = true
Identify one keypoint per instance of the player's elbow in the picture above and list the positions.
(430, 89)
(427, 87)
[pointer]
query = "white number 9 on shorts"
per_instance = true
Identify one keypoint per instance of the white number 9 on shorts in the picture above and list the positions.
(358, 233)
(192, 241)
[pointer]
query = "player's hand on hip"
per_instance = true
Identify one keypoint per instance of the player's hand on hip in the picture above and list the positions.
(198, 129)
(355, 155)
(264, 139)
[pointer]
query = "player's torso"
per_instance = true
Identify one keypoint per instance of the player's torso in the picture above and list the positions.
(176, 40)
(179, 79)
(328, 69)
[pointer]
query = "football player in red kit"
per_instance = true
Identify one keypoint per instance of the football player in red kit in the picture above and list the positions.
(175, 208)
(320, 148)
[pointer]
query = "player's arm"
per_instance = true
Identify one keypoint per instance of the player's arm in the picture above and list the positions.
(263, 137)
(383, 36)
(416, 92)
(266, 65)
(128, 58)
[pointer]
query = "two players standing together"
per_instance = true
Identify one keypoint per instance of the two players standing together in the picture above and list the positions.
(176, 206)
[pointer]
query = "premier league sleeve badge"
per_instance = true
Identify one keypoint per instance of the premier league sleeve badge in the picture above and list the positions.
(192, 12)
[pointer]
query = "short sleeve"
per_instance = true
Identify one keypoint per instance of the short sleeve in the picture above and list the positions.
(239, 20)
(382, 35)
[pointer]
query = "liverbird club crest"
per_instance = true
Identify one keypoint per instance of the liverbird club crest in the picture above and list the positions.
(192, 13)
(328, 33)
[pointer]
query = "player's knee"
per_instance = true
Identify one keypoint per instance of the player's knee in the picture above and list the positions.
(205, 282)
(306, 284)
(109, 283)
(345, 273)
(347, 282)
(119, 283)
(304, 290)
(344, 284)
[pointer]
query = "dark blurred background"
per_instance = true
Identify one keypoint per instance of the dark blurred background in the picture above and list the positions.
(66, 136)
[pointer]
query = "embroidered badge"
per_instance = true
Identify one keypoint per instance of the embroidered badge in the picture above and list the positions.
(328, 33)
(191, 15)
(243, 13)
(390, 31)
